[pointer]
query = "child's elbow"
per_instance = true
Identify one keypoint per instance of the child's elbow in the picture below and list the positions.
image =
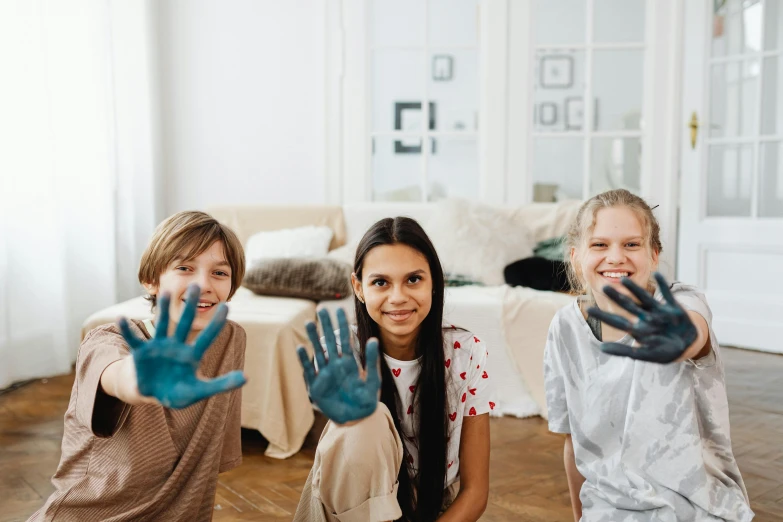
(483, 501)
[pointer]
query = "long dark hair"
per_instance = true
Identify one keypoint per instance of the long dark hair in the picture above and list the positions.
(427, 487)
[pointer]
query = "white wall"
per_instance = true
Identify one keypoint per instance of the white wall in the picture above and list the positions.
(241, 100)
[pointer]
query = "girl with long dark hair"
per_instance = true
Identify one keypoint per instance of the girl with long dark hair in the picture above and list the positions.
(401, 459)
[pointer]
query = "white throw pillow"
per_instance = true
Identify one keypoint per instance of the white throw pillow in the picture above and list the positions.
(345, 253)
(477, 240)
(310, 241)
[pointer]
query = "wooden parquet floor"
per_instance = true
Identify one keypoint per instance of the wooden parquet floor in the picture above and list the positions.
(527, 479)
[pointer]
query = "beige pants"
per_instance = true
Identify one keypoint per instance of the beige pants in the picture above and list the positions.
(354, 476)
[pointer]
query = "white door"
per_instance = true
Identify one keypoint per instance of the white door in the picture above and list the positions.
(731, 205)
(623, 57)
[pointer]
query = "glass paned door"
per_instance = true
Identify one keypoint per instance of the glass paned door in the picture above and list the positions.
(424, 98)
(588, 97)
(743, 162)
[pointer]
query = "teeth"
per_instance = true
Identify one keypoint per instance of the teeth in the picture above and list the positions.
(616, 274)
(204, 305)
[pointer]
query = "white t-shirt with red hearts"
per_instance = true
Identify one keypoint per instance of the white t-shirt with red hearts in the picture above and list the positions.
(469, 392)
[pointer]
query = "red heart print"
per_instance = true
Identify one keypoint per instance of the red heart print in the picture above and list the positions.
(448, 363)
(478, 366)
(410, 409)
(397, 371)
(453, 327)
(453, 416)
(450, 463)
(411, 388)
(491, 405)
(476, 339)
(484, 375)
(471, 357)
(462, 375)
(472, 391)
(472, 411)
(456, 345)
(464, 396)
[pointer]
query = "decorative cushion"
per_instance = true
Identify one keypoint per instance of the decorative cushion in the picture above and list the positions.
(477, 241)
(309, 241)
(317, 279)
(345, 253)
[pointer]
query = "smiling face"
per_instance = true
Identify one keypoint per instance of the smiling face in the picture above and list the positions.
(396, 288)
(616, 247)
(210, 270)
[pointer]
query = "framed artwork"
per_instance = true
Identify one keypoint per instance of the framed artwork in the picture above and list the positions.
(408, 117)
(574, 113)
(442, 67)
(547, 113)
(556, 71)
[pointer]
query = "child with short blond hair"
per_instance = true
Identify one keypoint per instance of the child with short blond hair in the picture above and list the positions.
(127, 454)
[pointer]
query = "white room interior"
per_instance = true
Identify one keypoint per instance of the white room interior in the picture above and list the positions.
(154, 107)
(313, 119)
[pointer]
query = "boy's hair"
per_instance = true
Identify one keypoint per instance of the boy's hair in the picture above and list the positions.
(585, 221)
(186, 235)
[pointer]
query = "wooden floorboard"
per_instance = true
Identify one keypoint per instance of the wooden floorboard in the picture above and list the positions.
(527, 481)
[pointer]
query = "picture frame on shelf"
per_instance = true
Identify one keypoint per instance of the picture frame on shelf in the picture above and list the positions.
(408, 117)
(442, 67)
(547, 114)
(574, 113)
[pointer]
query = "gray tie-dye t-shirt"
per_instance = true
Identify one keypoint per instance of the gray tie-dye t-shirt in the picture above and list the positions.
(651, 440)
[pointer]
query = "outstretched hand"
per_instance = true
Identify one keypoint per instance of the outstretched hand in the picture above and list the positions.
(664, 330)
(166, 366)
(338, 387)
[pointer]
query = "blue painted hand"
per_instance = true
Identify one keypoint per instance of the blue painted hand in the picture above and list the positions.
(337, 388)
(664, 330)
(166, 366)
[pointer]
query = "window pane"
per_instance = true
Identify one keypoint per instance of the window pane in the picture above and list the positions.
(396, 169)
(400, 22)
(398, 81)
(771, 180)
(615, 163)
(773, 24)
(772, 96)
(618, 20)
(557, 168)
(618, 78)
(559, 22)
(729, 174)
(452, 22)
(736, 28)
(559, 88)
(733, 109)
(452, 168)
(453, 89)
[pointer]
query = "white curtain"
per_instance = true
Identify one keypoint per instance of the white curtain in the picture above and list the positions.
(76, 156)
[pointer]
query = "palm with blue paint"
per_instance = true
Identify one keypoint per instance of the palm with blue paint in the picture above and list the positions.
(664, 331)
(338, 387)
(166, 366)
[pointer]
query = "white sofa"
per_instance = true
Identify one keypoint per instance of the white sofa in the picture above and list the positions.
(512, 321)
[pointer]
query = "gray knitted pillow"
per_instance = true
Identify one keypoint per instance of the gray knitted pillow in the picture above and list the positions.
(317, 279)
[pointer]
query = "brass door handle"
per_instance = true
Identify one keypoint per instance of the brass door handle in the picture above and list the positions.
(694, 126)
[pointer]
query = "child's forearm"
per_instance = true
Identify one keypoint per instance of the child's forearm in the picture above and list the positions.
(701, 346)
(119, 380)
(468, 506)
(575, 479)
